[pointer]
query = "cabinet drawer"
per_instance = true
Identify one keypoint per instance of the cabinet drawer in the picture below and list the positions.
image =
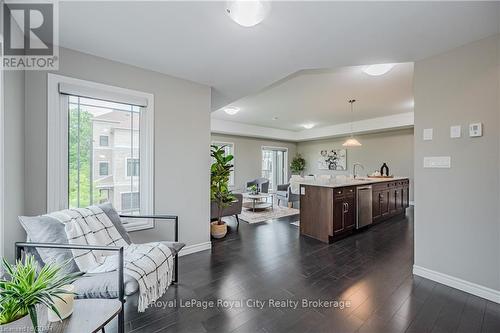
(344, 191)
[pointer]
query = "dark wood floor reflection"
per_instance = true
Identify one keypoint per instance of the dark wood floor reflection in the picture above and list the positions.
(371, 270)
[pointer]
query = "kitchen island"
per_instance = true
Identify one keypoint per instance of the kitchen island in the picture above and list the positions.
(329, 210)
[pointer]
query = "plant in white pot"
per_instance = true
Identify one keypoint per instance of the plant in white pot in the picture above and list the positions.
(220, 193)
(27, 286)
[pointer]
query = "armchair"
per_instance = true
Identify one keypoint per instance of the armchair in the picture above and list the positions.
(47, 234)
(284, 193)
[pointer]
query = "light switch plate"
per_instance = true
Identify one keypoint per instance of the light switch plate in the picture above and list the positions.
(475, 130)
(439, 162)
(428, 133)
(455, 131)
(302, 190)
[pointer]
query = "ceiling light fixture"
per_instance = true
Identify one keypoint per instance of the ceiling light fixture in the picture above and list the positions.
(231, 110)
(248, 13)
(351, 142)
(379, 69)
(308, 126)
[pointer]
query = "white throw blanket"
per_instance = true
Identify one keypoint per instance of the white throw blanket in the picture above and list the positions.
(151, 264)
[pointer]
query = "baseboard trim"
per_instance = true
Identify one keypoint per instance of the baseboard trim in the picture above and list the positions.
(195, 248)
(457, 283)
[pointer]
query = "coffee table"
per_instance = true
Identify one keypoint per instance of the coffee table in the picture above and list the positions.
(257, 201)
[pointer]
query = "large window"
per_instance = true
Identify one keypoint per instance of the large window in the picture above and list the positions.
(274, 166)
(88, 120)
(103, 150)
(228, 150)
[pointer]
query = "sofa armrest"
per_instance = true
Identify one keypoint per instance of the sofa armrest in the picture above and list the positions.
(174, 218)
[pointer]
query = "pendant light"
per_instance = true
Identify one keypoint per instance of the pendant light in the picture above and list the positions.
(351, 142)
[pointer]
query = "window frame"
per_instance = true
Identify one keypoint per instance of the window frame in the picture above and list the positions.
(126, 166)
(100, 142)
(99, 168)
(57, 142)
(285, 162)
(232, 174)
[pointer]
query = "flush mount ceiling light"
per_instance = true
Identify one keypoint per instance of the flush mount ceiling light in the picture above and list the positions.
(377, 70)
(231, 110)
(248, 13)
(351, 142)
(308, 126)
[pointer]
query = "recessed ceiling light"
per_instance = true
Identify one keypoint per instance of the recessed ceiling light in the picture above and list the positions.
(377, 70)
(248, 13)
(308, 126)
(231, 110)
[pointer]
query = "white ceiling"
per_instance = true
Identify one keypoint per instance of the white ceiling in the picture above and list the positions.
(320, 97)
(197, 41)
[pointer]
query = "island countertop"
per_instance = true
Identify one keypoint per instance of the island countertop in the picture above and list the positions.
(350, 182)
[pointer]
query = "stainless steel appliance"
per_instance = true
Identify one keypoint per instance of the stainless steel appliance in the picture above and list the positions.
(364, 206)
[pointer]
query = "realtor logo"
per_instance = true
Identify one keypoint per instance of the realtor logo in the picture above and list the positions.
(30, 35)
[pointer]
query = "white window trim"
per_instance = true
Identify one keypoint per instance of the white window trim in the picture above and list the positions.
(57, 144)
(285, 149)
(99, 168)
(232, 177)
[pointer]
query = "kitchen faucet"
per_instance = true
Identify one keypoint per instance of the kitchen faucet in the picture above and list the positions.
(354, 165)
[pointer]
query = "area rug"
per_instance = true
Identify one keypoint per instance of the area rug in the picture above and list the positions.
(296, 223)
(267, 214)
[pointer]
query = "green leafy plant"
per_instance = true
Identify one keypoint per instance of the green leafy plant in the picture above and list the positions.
(253, 189)
(298, 164)
(27, 287)
(220, 172)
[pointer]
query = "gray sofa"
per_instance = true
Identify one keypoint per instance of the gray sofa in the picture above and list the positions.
(234, 209)
(46, 234)
(284, 193)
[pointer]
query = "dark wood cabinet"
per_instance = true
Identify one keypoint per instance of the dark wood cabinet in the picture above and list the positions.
(389, 199)
(344, 210)
(328, 214)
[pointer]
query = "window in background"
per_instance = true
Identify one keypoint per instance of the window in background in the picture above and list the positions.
(88, 118)
(130, 201)
(104, 141)
(228, 150)
(274, 166)
(103, 168)
(133, 167)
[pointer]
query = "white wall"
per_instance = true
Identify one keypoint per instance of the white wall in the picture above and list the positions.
(248, 156)
(393, 147)
(457, 226)
(13, 137)
(182, 139)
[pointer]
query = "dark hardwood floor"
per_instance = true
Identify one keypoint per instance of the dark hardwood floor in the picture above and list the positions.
(371, 271)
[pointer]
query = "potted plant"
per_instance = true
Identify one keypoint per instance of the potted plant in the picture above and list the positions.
(26, 287)
(220, 172)
(298, 165)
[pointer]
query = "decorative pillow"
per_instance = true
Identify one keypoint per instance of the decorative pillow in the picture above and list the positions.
(117, 222)
(44, 229)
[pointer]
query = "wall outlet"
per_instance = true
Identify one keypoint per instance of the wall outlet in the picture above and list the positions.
(438, 162)
(428, 133)
(455, 131)
(475, 130)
